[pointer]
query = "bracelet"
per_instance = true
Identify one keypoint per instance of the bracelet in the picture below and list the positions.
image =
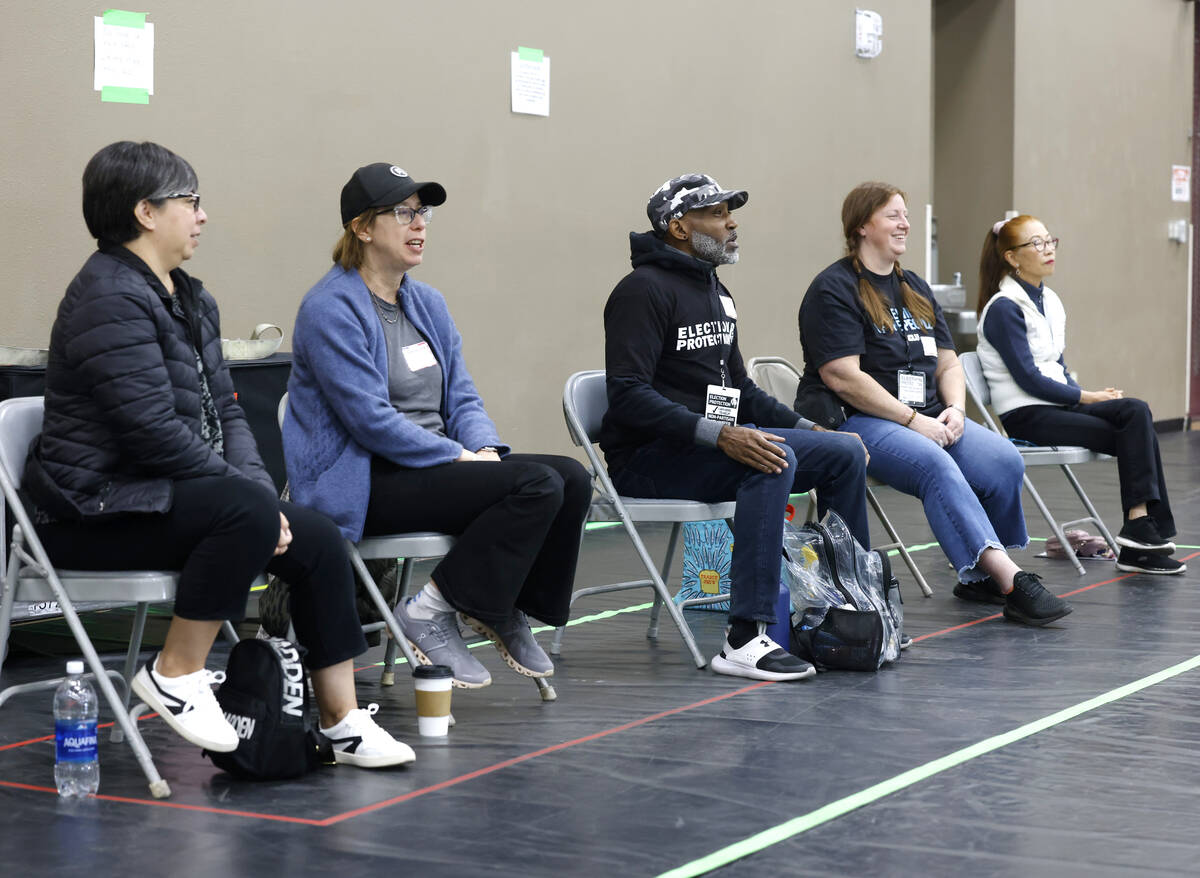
(912, 413)
(486, 448)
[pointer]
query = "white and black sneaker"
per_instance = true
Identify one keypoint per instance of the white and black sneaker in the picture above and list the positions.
(761, 658)
(188, 706)
(1142, 534)
(1134, 561)
(358, 740)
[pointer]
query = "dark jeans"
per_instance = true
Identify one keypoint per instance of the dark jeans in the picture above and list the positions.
(832, 463)
(519, 523)
(1123, 428)
(221, 533)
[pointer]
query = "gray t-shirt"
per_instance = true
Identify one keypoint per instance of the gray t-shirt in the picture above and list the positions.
(415, 394)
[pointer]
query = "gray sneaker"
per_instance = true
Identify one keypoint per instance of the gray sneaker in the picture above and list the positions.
(437, 641)
(516, 644)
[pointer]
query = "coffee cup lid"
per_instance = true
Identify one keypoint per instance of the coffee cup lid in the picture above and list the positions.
(433, 672)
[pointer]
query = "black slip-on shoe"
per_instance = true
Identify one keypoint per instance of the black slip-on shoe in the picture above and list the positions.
(1134, 561)
(1142, 533)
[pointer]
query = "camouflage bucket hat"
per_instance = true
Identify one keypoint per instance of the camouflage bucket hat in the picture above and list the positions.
(676, 197)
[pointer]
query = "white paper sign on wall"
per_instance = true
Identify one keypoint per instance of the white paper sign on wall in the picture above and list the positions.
(868, 33)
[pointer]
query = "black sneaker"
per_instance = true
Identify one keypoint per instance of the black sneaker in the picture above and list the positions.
(1031, 604)
(1133, 561)
(1142, 533)
(984, 591)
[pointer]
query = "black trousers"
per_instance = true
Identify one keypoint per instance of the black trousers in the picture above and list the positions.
(1123, 428)
(221, 533)
(519, 523)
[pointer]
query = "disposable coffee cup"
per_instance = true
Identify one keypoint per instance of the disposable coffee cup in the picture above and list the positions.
(432, 683)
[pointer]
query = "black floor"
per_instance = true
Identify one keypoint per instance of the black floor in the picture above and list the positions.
(645, 765)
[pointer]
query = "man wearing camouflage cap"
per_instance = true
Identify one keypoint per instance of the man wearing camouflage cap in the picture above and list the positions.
(684, 419)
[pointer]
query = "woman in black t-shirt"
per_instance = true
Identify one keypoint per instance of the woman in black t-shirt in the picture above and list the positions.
(873, 334)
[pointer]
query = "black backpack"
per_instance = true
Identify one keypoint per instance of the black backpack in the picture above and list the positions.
(265, 698)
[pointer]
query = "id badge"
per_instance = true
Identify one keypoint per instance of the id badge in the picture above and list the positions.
(721, 404)
(910, 387)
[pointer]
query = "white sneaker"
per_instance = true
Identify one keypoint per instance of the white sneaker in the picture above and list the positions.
(761, 658)
(358, 740)
(188, 706)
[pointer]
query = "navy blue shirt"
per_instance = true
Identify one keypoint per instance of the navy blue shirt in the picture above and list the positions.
(834, 323)
(1006, 330)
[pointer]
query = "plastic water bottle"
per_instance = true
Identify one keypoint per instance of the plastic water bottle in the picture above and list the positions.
(76, 709)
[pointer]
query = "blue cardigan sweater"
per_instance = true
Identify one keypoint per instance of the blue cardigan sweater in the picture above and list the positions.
(339, 414)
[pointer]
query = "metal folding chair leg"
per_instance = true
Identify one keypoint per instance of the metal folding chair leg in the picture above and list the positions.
(665, 573)
(158, 787)
(897, 544)
(388, 678)
(1054, 525)
(1093, 515)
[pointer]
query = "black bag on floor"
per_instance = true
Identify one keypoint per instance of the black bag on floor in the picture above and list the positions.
(848, 611)
(265, 698)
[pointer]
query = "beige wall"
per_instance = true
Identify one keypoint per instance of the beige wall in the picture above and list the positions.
(276, 103)
(973, 128)
(1103, 109)
(1074, 111)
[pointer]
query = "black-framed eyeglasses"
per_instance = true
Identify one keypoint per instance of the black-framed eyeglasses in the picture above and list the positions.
(193, 197)
(406, 216)
(1038, 243)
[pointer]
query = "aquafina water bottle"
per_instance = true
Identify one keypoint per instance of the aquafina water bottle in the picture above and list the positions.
(76, 709)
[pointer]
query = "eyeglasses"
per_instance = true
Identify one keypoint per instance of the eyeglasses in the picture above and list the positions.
(406, 216)
(193, 197)
(1039, 243)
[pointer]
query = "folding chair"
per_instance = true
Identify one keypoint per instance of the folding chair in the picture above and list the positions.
(31, 577)
(411, 547)
(585, 400)
(780, 378)
(1041, 455)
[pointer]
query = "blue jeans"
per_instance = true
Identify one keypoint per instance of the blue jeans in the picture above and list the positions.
(971, 491)
(832, 464)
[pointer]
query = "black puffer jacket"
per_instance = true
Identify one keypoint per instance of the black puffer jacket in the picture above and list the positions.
(123, 407)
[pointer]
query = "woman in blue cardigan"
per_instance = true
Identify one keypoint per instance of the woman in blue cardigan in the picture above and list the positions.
(386, 433)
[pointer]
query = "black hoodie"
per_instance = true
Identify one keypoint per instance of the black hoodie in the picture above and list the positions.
(666, 330)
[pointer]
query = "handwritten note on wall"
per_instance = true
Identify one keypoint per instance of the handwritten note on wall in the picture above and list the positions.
(124, 71)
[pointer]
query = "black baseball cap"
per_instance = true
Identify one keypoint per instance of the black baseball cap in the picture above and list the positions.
(382, 184)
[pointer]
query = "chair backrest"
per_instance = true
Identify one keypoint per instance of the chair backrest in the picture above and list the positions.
(776, 376)
(20, 424)
(976, 382)
(585, 400)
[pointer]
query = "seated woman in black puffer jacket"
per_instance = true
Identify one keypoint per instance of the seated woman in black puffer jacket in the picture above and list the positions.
(146, 461)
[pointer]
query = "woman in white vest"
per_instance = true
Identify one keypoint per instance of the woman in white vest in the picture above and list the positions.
(1022, 335)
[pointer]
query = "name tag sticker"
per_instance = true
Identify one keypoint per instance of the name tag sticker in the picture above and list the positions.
(418, 356)
(727, 304)
(721, 404)
(930, 346)
(910, 387)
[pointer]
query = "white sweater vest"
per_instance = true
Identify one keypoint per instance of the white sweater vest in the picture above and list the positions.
(1047, 336)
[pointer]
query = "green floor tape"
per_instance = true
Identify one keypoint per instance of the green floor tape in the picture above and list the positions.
(833, 810)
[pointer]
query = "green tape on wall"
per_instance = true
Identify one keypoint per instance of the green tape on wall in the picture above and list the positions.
(121, 18)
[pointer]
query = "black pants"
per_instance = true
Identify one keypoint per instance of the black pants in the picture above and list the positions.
(1123, 428)
(519, 523)
(221, 533)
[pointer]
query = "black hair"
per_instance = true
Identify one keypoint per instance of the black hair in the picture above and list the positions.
(121, 175)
